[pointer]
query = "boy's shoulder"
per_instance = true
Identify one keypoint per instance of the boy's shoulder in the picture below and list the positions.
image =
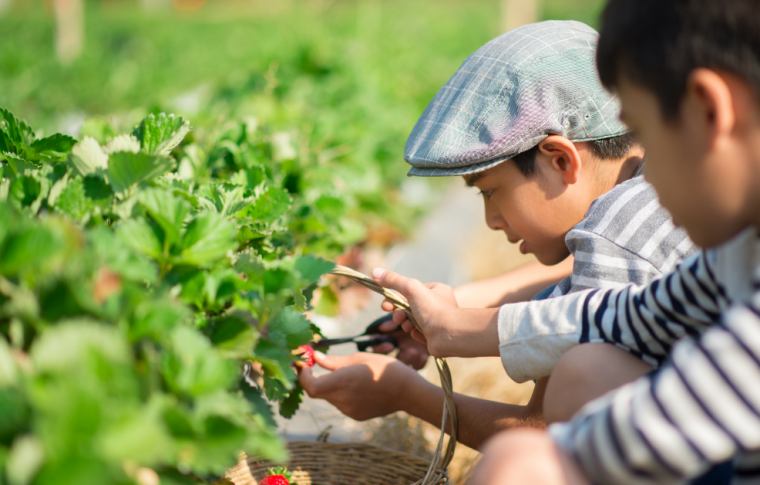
(631, 218)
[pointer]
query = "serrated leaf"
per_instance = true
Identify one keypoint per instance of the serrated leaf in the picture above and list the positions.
(232, 336)
(126, 169)
(18, 134)
(142, 237)
(73, 201)
(123, 143)
(193, 367)
(291, 403)
(67, 345)
(208, 237)
(269, 206)
(311, 268)
(25, 190)
(31, 243)
(290, 328)
(167, 210)
(87, 156)
(160, 133)
(55, 147)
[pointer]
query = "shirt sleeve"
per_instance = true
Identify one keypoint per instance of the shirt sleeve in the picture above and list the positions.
(602, 263)
(645, 321)
(702, 407)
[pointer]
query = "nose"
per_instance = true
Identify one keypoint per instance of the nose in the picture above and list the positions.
(494, 220)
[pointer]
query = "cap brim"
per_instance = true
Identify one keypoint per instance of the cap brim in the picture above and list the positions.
(455, 171)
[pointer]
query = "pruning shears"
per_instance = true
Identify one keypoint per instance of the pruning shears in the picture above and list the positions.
(371, 337)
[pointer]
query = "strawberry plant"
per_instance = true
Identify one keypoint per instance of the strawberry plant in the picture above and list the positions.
(153, 286)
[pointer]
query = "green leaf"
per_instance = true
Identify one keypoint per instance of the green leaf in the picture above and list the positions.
(269, 206)
(233, 335)
(168, 211)
(126, 169)
(14, 413)
(25, 459)
(207, 238)
(142, 237)
(97, 189)
(156, 320)
(290, 404)
(66, 346)
(25, 190)
(29, 244)
(87, 156)
(73, 201)
(312, 268)
(291, 328)
(139, 436)
(55, 147)
(193, 367)
(160, 133)
(17, 134)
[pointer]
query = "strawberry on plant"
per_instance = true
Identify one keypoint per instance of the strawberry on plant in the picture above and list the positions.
(307, 355)
(277, 476)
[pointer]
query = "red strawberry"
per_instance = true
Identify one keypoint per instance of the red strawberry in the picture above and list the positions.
(307, 355)
(277, 476)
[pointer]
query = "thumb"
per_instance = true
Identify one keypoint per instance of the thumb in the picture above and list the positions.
(395, 281)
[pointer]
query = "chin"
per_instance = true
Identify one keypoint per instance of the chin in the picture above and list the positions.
(711, 237)
(549, 259)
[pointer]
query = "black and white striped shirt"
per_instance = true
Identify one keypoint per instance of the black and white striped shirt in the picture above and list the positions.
(702, 405)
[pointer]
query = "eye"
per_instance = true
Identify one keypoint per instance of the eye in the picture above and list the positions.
(486, 194)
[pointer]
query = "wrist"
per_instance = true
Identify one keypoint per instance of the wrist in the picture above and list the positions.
(418, 395)
(477, 334)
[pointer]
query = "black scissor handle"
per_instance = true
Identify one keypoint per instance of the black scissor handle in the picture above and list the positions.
(363, 345)
(374, 327)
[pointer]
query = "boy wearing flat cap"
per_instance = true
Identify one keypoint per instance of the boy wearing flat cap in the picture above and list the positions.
(526, 121)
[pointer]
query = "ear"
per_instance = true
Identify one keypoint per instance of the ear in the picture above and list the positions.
(563, 157)
(709, 104)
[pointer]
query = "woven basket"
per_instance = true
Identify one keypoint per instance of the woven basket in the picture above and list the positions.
(318, 463)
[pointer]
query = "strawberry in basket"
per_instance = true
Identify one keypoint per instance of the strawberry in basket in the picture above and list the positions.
(277, 476)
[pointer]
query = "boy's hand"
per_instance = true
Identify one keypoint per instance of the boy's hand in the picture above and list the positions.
(362, 386)
(410, 351)
(432, 305)
(446, 329)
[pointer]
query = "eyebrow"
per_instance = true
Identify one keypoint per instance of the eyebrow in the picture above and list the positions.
(470, 180)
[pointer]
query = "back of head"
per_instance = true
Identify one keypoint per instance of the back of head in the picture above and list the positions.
(510, 94)
(658, 43)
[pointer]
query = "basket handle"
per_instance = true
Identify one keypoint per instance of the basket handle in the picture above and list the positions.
(436, 472)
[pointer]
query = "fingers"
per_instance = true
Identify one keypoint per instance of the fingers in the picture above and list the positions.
(385, 348)
(399, 317)
(418, 337)
(308, 381)
(388, 327)
(333, 362)
(395, 281)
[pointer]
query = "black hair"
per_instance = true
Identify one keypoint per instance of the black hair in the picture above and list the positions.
(604, 149)
(657, 44)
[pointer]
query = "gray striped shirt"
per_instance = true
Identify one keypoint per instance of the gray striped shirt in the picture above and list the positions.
(626, 237)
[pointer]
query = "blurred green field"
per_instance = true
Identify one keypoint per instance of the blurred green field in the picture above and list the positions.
(383, 58)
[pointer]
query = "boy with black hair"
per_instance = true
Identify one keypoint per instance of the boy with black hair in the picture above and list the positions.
(688, 75)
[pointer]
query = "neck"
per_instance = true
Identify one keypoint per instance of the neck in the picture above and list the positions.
(628, 168)
(613, 172)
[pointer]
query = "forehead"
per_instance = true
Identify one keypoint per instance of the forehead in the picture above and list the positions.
(472, 179)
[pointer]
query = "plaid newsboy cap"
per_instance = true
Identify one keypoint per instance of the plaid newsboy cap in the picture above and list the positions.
(522, 86)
